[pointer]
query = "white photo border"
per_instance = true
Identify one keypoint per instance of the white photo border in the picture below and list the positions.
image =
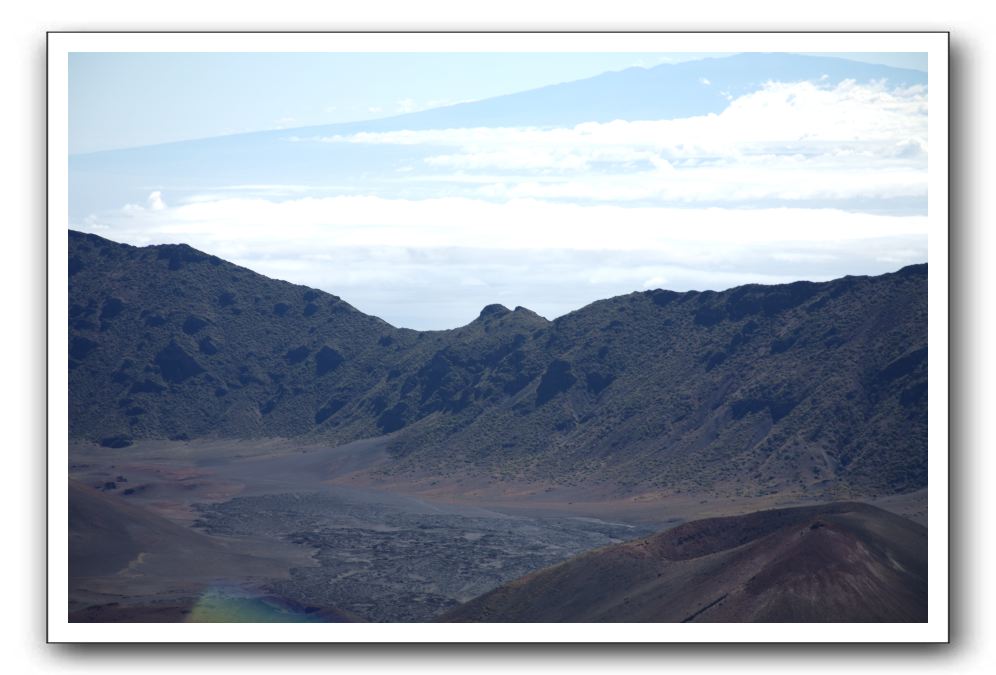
(935, 44)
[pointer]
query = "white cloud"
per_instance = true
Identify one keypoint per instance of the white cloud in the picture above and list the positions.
(516, 157)
(555, 218)
(704, 81)
(434, 263)
(310, 222)
(777, 115)
(750, 181)
(787, 141)
(155, 201)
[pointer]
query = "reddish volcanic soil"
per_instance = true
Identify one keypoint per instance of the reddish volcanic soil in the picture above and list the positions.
(844, 562)
(135, 557)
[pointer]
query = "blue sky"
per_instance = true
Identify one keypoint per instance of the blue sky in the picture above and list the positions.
(685, 173)
(128, 100)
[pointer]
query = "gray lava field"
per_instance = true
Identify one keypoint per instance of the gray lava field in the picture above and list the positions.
(408, 561)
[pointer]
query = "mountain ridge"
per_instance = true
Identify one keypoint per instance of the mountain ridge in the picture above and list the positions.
(690, 101)
(804, 386)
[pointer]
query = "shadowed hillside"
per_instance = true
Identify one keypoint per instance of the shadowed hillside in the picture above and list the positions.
(156, 570)
(809, 387)
(843, 562)
(108, 535)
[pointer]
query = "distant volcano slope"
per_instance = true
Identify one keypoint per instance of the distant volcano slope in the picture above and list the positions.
(843, 562)
(818, 388)
(100, 182)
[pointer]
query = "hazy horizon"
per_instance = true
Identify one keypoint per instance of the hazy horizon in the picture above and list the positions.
(685, 174)
(106, 90)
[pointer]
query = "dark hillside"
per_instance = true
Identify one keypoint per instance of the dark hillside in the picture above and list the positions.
(812, 387)
(166, 341)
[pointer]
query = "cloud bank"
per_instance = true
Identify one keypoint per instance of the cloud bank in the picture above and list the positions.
(786, 141)
(434, 263)
(793, 181)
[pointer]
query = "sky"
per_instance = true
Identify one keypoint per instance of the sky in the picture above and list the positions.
(120, 101)
(748, 171)
(129, 100)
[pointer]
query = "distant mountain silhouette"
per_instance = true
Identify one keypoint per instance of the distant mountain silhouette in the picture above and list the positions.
(110, 179)
(818, 387)
(844, 562)
(664, 91)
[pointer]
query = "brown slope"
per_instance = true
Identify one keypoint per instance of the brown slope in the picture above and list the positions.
(844, 562)
(153, 570)
(109, 536)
